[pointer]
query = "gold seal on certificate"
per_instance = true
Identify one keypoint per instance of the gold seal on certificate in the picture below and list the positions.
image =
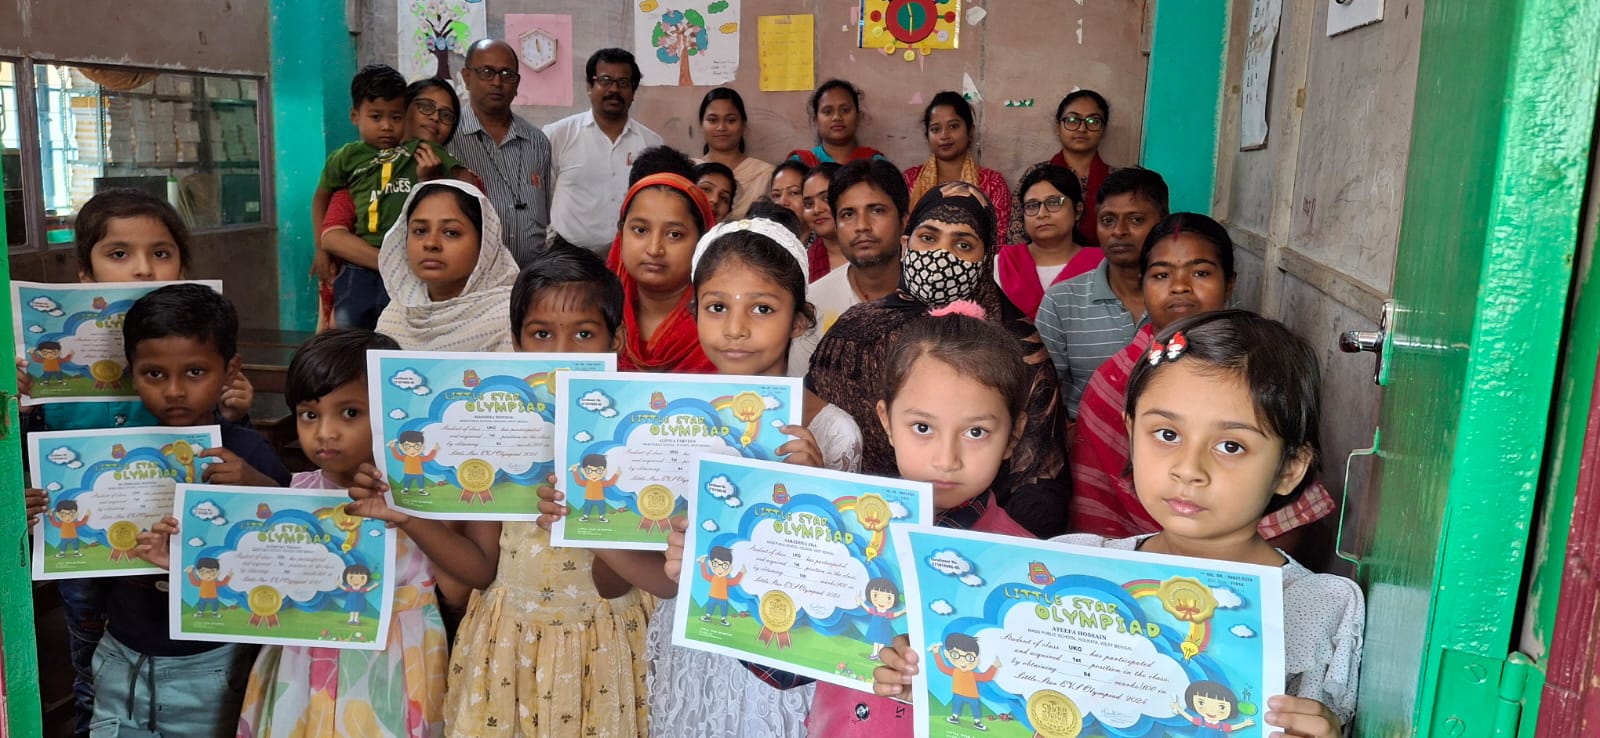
(264, 602)
(872, 512)
(1188, 600)
(656, 502)
(475, 475)
(1054, 715)
(106, 373)
(777, 617)
(123, 535)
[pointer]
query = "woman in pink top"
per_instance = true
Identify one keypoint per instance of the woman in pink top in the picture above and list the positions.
(1052, 203)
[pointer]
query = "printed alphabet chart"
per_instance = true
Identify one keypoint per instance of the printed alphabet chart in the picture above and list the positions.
(1036, 638)
(626, 447)
(105, 487)
(71, 335)
(279, 566)
(794, 567)
(468, 436)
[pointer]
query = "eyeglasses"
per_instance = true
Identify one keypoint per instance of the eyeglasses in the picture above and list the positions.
(1050, 204)
(486, 73)
(431, 108)
(1073, 121)
(606, 80)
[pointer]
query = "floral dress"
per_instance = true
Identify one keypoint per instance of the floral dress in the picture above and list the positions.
(309, 692)
(542, 654)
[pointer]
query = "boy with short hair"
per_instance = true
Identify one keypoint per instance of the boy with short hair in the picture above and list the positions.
(181, 343)
(379, 170)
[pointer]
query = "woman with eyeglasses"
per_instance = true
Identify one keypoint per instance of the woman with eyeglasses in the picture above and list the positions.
(722, 122)
(1081, 121)
(948, 124)
(1053, 251)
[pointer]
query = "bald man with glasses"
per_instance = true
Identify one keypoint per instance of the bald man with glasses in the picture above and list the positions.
(512, 156)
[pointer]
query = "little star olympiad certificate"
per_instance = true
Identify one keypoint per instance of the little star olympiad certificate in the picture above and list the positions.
(794, 567)
(104, 488)
(626, 446)
(467, 436)
(279, 566)
(1038, 638)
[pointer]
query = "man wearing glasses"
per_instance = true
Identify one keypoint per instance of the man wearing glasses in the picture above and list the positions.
(511, 155)
(594, 151)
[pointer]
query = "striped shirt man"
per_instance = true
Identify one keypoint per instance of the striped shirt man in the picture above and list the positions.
(516, 177)
(1083, 323)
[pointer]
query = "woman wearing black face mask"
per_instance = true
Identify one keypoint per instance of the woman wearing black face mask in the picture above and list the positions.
(948, 254)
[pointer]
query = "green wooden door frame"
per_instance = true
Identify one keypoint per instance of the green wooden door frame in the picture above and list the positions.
(313, 59)
(16, 570)
(1183, 99)
(1498, 162)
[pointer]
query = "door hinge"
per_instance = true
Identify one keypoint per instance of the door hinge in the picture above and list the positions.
(1481, 696)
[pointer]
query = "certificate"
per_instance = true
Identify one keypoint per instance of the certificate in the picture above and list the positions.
(279, 566)
(793, 566)
(105, 487)
(71, 335)
(626, 446)
(467, 436)
(1026, 638)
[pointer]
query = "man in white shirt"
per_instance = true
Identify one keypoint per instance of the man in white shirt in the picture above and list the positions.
(870, 205)
(594, 151)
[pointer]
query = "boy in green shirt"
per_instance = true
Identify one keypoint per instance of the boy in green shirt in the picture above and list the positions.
(379, 172)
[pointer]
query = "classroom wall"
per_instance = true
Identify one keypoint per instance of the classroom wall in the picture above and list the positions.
(217, 36)
(1019, 51)
(1316, 214)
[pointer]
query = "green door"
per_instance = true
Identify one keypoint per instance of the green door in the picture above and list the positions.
(16, 587)
(1499, 156)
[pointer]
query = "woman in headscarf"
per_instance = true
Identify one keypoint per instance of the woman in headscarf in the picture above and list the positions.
(663, 217)
(949, 250)
(447, 272)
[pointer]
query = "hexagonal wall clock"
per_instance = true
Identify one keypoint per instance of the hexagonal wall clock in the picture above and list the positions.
(538, 49)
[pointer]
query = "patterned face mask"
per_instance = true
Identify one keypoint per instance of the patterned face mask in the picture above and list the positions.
(939, 277)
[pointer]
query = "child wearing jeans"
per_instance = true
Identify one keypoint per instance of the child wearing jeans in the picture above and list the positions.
(181, 347)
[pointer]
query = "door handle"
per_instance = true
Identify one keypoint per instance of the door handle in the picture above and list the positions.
(1376, 342)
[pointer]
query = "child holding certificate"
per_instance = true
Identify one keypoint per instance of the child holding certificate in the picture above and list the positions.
(400, 689)
(1222, 418)
(122, 235)
(954, 390)
(541, 642)
(749, 304)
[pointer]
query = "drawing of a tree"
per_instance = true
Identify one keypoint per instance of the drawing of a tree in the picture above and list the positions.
(678, 36)
(442, 28)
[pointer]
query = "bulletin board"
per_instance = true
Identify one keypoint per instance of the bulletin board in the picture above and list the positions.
(1030, 54)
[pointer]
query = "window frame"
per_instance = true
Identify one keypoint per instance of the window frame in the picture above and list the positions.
(25, 71)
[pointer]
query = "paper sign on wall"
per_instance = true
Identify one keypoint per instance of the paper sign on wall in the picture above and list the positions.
(434, 33)
(684, 43)
(787, 56)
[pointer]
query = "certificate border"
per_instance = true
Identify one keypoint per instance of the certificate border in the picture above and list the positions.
(558, 530)
(375, 384)
(175, 582)
(36, 441)
(680, 622)
(22, 341)
(1271, 590)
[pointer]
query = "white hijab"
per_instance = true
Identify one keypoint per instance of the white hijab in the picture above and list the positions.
(479, 319)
